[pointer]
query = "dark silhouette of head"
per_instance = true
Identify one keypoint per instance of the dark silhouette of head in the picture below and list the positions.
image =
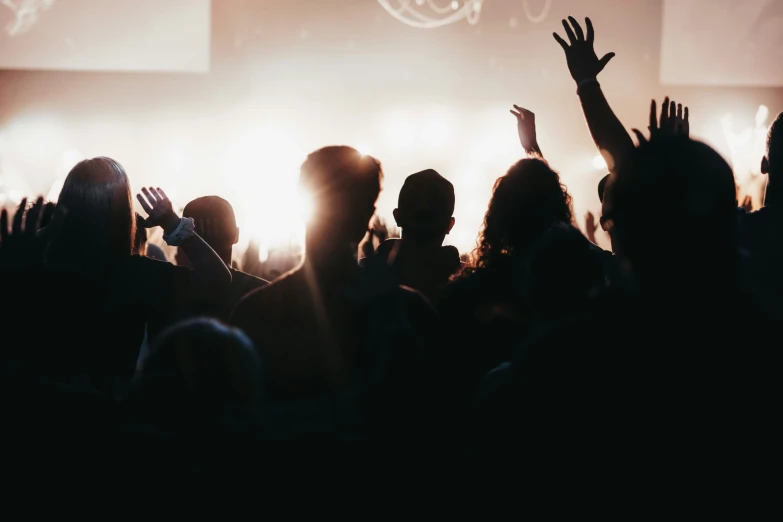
(200, 370)
(343, 186)
(526, 201)
(99, 224)
(562, 274)
(215, 223)
(425, 207)
(682, 192)
(772, 163)
(140, 239)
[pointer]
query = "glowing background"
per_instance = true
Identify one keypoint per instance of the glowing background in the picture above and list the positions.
(289, 76)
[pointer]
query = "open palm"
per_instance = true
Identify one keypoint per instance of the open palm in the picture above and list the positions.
(160, 212)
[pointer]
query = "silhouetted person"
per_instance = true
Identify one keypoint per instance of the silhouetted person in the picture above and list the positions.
(482, 309)
(424, 213)
(103, 294)
(217, 225)
(674, 354)
(761, 232)
(200, 373)
(306, 327)
(197, 402)
(561, 276)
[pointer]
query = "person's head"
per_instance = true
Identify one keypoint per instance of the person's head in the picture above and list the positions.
(99, 224)
(215, 223)
(425, 207)
(674, 214)
(200, 370)
(342, 185)
(772, 163)
(562, 274)
(526, 201)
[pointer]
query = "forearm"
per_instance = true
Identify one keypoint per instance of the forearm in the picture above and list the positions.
(607, 131)
(534, 150)
(209, 270)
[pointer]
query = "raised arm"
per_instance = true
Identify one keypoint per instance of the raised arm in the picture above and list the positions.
(608, 133)
(209, 271)
(526, 128)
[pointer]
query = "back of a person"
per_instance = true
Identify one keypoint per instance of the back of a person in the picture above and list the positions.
(760, 239)
(85, 333)
(424, 213)
(306, 335)
(423, 268)
(216, 223)
(653, 377)
(683, 360)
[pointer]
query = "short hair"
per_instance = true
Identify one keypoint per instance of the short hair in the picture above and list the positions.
(426, 201)
(221, 215)
(341, 175)
(775, 139)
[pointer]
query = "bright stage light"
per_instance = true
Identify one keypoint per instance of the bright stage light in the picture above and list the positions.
(401, 133)
(69, 160)
(261, 170)
(599, 163)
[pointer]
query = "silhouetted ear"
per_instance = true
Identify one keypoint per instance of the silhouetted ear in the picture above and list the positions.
(451, 225)
(396, 213)
(764, 165)
(236, 237)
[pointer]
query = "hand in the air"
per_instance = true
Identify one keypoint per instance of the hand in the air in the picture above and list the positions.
(160, 212)
(591, 227)
(526, 127)
(21, 246)
(583, 63)
(673, 121)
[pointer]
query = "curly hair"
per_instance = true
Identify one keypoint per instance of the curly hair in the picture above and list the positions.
(525, 203)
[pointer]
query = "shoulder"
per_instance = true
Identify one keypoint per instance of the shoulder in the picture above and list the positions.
(143, 272)
(264, 299)
(137, 263)
(246, 281)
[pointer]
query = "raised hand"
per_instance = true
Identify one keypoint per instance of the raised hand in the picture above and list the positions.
(583, 63)
(526, 127)
(21, 246)
(591, 227)
(673, 121)
(159, 209)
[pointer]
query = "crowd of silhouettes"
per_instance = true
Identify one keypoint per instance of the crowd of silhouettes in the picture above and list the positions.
(537, 339)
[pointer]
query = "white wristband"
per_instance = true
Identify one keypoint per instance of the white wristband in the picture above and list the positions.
(185, 230)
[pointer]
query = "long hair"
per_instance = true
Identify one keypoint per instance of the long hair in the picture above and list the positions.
(99, 225)
(525, 203)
